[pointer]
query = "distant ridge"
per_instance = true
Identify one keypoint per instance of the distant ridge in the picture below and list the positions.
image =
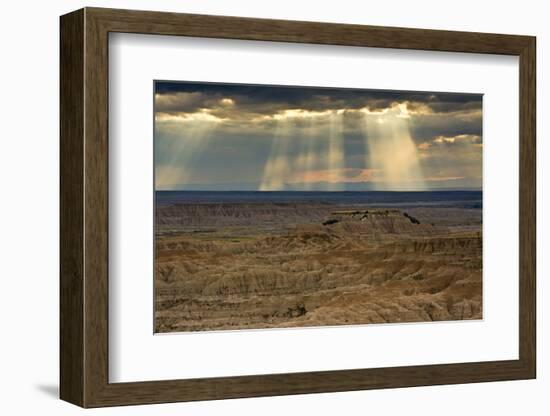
(465, 199)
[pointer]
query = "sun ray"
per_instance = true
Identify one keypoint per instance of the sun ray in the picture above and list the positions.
(307, 156)
(277, 168)
(336, 150)
(392, 151)
(186, 144)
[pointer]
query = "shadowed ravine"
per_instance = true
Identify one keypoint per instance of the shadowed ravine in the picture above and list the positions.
(226, 266)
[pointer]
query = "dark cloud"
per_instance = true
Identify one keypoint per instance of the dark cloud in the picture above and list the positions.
(264, 99)
(427, 127)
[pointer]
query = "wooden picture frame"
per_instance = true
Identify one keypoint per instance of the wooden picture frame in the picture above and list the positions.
(84, 207)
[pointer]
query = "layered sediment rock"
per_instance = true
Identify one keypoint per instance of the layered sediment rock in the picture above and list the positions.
(368, 266)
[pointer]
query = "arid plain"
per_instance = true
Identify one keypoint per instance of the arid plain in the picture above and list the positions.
(249, 265)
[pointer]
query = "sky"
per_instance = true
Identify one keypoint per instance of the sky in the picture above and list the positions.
(213, 136)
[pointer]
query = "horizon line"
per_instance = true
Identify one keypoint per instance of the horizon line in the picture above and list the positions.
(304, 191)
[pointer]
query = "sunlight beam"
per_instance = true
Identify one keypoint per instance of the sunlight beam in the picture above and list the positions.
(336, 150)
(308, 154)
(277, 168)
(190, 140)
(393, 152)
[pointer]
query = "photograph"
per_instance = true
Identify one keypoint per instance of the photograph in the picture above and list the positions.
(291, 206)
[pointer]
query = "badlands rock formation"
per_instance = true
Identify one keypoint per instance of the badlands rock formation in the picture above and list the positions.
(238, 266)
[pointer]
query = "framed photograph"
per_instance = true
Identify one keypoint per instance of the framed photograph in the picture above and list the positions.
(260, 207)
